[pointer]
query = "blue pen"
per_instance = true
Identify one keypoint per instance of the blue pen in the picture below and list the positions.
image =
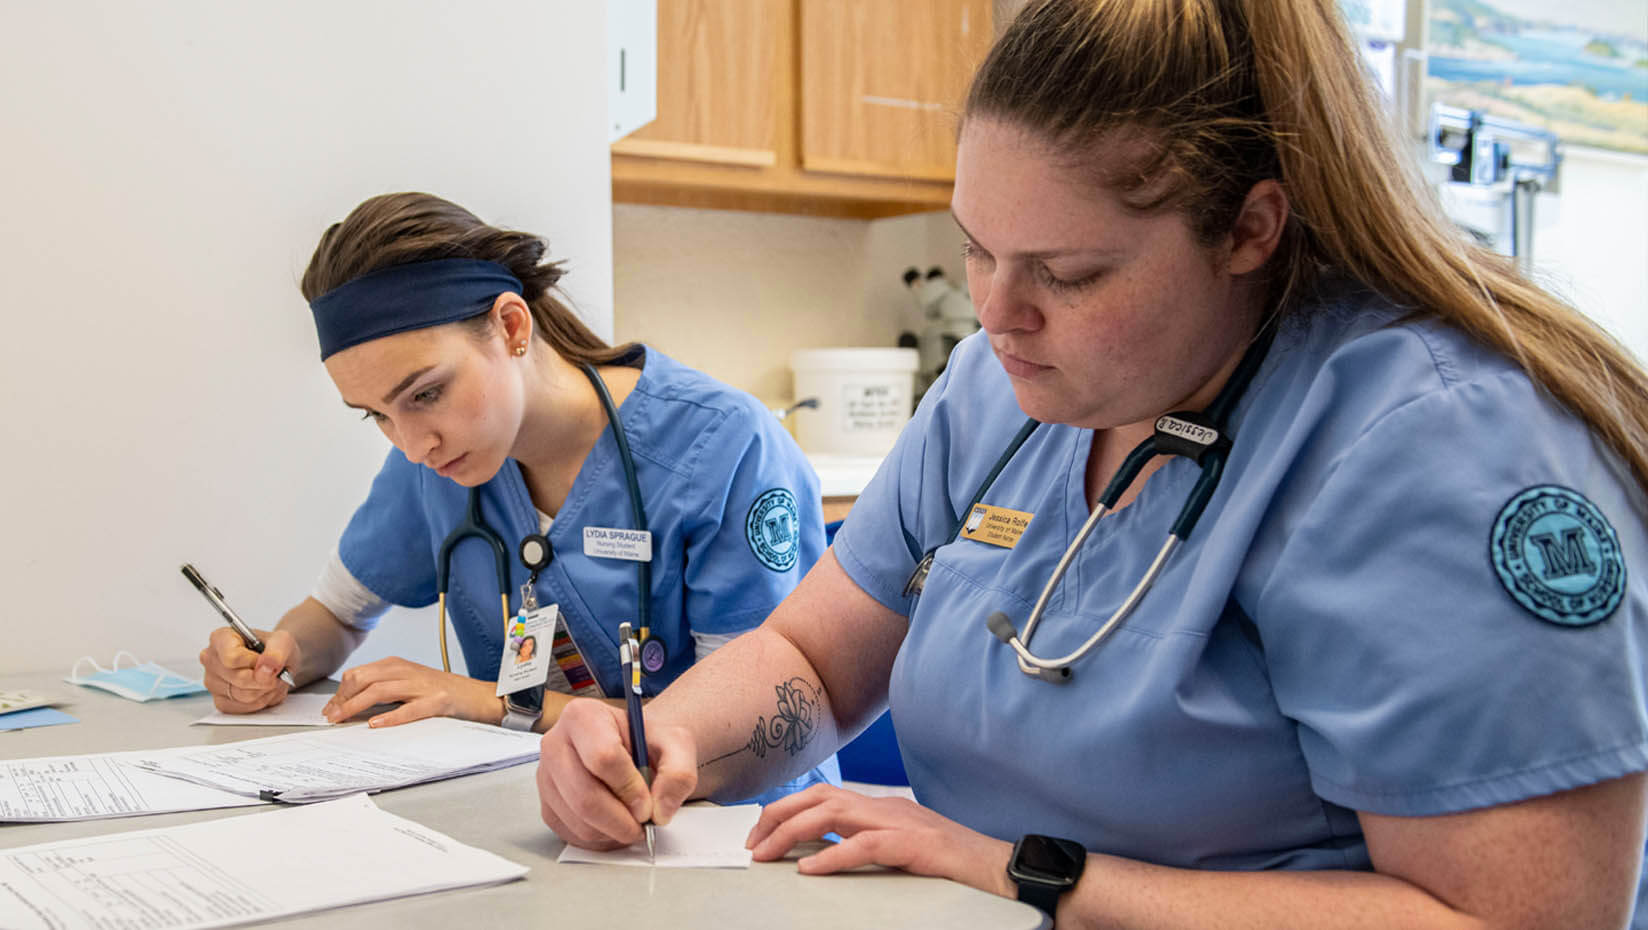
(629, 650)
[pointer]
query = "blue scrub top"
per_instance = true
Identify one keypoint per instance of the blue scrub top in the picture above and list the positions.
(1417, 590)
(732, 504)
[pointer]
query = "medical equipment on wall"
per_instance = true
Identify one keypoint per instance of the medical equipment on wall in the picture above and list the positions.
(948, 318)
(1202, 437)
(535, 550)
(1495, 169)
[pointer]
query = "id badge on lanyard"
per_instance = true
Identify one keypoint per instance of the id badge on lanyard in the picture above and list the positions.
(539, 650)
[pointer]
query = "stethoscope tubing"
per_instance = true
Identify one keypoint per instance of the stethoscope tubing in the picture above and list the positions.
(475, 526)
(1210, 456)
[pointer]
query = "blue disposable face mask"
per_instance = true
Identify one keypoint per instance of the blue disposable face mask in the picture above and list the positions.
(139, 681)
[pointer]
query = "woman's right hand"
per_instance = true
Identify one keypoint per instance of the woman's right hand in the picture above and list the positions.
(589, 790)
(242, 681)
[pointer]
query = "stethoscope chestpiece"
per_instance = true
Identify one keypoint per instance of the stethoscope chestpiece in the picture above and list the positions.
(654, 654)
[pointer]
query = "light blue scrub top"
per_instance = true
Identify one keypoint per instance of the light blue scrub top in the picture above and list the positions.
(732, 504)
(1334, 636)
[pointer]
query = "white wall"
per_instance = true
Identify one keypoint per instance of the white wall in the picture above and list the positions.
(1591, 241)
(167, 169)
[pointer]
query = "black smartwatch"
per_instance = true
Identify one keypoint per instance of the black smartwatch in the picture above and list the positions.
(1045, 867)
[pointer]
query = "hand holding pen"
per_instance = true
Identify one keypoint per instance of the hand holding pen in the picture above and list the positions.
(629, 651)
(232, 657)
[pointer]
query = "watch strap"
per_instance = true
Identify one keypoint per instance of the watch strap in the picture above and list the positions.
(1044, 898)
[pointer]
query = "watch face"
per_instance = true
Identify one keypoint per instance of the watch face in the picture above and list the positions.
(526, 700)
(1048, 860)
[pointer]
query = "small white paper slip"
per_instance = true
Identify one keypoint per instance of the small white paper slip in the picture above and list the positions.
(527, 644)
(23, 700)
(610, 542)
(298, 710)
(702, 836)
(236, 870)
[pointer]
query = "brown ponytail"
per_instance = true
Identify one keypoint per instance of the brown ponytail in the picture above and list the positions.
(1231, 92)
(399, 229)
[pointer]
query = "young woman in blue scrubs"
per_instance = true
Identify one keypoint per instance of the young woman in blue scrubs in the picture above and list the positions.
(1397, 673)
(446, 333)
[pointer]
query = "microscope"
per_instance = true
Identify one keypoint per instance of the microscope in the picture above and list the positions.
(1495, 168)
(948, 317)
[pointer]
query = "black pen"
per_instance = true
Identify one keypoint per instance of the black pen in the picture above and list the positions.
(215, 597)
(629, 650)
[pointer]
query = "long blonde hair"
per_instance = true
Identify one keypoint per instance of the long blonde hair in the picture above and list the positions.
(1230, 92)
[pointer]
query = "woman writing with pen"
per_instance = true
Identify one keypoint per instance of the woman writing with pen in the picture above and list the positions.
(1272, 559)
(533, 465)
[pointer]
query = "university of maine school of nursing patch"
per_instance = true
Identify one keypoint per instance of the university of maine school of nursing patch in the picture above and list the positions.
(773, 529)
(1558, 556)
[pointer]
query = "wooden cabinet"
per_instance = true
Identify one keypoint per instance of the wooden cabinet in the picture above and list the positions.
(718, 71)
(831, 107)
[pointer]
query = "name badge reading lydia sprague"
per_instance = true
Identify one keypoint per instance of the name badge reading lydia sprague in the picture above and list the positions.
(995, 526)
(607, 542)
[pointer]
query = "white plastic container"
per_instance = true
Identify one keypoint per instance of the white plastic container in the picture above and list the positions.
(864, 398)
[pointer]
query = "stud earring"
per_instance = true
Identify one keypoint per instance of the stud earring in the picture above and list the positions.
(520, 349)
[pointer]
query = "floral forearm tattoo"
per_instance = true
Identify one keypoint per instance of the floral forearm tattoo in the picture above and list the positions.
(792, 725)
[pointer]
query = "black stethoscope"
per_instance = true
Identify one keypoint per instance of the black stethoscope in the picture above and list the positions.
(536, 552)
(1201, 437)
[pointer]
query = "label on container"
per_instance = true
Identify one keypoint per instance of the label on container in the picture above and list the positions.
(873, 407)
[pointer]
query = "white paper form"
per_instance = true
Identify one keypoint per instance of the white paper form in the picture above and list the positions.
(700, 837)
(323, 764)
(298, 710)
(59, 788)
(236, 870)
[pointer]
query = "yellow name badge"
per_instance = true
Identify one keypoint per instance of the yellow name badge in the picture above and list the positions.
(996, 526)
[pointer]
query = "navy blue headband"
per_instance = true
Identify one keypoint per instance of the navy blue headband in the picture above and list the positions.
(406, 297)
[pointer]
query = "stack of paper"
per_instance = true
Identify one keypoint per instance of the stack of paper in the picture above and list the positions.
(20, 710)
(92, 787)
(236, 870)
(323, 764)
(22, 700)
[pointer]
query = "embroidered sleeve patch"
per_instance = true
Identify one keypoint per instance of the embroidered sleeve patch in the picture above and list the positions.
(1558, 556)
(773, 529)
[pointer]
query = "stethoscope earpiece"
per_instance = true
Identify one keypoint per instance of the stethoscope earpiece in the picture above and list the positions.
(1002, 627)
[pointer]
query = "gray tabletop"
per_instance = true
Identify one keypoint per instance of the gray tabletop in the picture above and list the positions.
(498, 811)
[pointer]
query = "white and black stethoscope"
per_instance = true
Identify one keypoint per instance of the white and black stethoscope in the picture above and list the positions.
(536, 552)
(1201, 437)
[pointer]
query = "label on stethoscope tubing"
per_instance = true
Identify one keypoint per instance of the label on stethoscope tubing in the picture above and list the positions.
(995, 526)
(608, 542)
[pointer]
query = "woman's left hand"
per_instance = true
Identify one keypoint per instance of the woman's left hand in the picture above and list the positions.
(422, 692)
(880, 831)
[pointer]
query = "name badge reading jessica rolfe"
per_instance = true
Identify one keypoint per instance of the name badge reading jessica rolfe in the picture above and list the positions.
(606, 542)
(996, 526)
